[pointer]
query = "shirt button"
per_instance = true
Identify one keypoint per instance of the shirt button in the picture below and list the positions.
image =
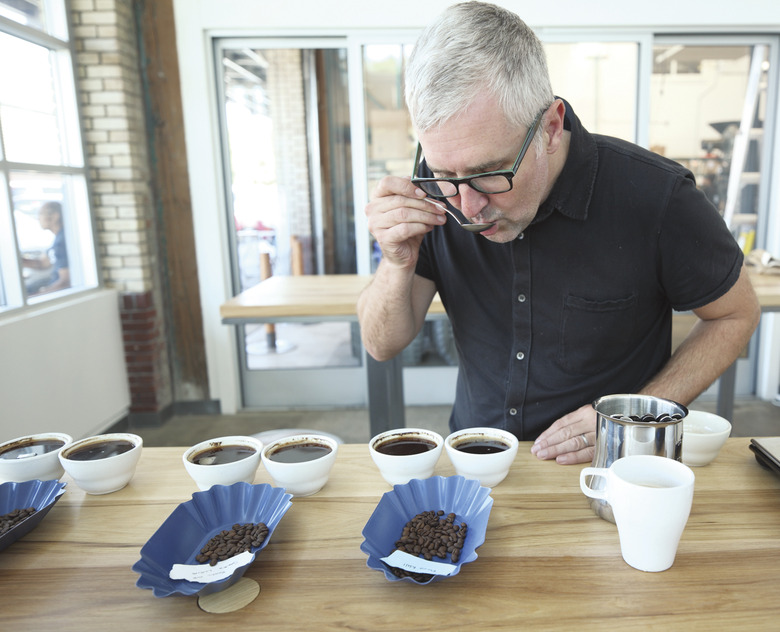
(521, 298)
(513, 411)
(520, 355)
(521, 235)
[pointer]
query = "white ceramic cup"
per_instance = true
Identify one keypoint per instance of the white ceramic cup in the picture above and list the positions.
(703, 436)
(243, 470)
(489, 469)
(399, 469)
(34, 463)
(302, 478)
(105, 474)
(651, 500)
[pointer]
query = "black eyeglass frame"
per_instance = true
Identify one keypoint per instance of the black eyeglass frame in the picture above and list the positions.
(506, 173)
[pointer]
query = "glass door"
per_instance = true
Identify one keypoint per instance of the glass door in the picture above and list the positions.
(284, 111)
(709, 101)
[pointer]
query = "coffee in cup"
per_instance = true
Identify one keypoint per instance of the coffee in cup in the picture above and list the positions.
(300, 463)
(223, 461)
(484, 454)
(406, 453)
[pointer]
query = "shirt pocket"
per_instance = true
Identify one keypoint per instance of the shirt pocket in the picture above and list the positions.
(595, 332)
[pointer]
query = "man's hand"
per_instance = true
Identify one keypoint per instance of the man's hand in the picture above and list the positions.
(392, 308)
(570, 439)
(398, 218)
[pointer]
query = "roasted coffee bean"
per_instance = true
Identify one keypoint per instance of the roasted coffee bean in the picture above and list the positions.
(648, 417)
(10, 520)
(228, 543)
(418, 577)
(430, 535)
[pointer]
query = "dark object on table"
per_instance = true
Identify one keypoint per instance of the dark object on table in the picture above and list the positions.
(38, 494)
(767, 452)
(465, 498)
(193, 523)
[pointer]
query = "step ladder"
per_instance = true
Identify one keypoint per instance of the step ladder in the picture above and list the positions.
(743, 221)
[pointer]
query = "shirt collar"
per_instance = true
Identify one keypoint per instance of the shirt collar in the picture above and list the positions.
(573, 188)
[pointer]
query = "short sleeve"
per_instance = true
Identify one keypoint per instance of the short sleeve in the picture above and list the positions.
(699, 258)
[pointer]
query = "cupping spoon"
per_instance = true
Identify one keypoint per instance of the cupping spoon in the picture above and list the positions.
(464, 223)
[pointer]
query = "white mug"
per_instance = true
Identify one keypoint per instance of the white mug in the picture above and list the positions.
(651, 499)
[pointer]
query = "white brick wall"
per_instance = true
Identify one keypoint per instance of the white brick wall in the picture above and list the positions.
(115, 135)
(285, 94)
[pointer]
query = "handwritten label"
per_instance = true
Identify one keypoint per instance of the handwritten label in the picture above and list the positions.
(205, 573)
(400, 559)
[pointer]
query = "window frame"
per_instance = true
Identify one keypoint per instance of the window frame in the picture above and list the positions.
(72, 169)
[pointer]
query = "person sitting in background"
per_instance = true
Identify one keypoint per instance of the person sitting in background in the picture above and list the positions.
(592, 242)
(50, 218)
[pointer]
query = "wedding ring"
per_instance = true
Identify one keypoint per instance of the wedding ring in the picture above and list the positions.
(585, 439)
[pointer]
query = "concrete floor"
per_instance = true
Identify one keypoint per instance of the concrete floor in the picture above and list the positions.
(752, 418)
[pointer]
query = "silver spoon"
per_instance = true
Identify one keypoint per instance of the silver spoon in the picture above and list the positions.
(464, 223)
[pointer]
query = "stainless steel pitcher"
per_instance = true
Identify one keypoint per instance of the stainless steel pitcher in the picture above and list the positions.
(617, 435)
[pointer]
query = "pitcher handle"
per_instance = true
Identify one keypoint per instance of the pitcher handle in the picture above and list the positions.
(589, 491)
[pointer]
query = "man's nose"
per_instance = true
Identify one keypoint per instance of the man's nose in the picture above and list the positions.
(471, 200)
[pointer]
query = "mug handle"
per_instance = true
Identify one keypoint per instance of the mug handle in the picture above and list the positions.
(589, 491)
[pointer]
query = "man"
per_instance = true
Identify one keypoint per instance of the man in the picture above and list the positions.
(568, 295)
(50, 218)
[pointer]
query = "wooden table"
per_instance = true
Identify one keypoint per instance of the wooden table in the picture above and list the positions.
(767, 287)
(548, 561)
(334, 297)
(316, 298)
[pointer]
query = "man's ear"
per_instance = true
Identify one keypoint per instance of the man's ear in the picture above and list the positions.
(553, 125)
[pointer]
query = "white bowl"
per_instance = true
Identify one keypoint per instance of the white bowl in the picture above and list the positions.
(703, 436)
(399, 469)
(31, 462)
(104, 474)
(303, 478)
(489, 469)
(241, 471)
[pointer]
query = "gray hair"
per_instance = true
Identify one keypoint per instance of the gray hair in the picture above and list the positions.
(471, 49)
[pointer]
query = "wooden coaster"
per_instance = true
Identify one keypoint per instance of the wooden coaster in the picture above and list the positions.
(240, 594)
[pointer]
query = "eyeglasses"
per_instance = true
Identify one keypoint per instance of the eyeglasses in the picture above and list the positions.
(489, 182)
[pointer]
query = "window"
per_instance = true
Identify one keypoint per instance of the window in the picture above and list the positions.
(719, 135)
(46, 241)
(600, 80)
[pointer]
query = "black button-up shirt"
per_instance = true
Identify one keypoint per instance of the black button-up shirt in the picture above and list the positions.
(580, 305)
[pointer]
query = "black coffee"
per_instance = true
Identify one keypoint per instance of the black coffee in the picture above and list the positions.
(482, 447)
(33, 447)
(299, 452)
(405, 446)
(217, 455)
(100, 450)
